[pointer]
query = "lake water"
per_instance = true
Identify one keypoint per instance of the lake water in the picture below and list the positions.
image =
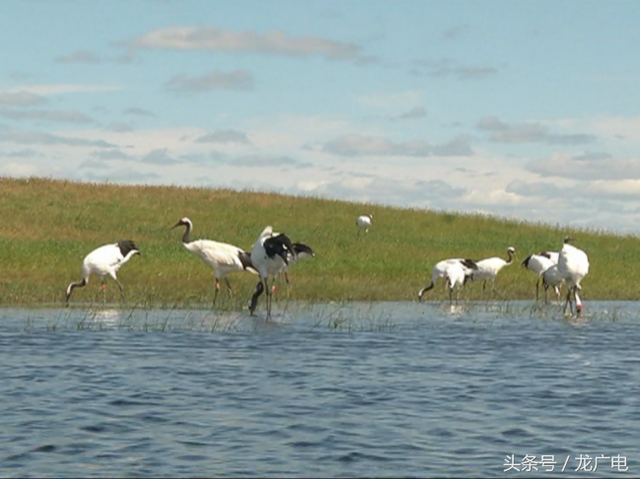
(331, 390)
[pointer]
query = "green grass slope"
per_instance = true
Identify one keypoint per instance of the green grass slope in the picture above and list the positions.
(48, 226)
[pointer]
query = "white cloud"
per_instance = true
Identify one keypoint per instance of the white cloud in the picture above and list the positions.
(216, 39)
(20, 170)
(586, 167)
(20, 98)
(45, 115)
(413, 113)
(57, 89)
(79, 56)
(225, 136)
(361, 145)
(41, 138)
(215, 80)
(451, 68)
(501, 132)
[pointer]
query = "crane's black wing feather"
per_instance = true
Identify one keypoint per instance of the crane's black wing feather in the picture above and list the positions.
(279, 245)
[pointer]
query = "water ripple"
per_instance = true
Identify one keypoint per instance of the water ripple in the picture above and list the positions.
(401, 389)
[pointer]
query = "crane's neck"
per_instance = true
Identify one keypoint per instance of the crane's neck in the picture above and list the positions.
(187, 232)
(129, 255)
(510, 256)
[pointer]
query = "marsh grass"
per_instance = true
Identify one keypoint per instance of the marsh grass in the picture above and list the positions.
(49, 226)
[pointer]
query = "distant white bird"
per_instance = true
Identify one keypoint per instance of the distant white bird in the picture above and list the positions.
(551, 278)
(441, 268)
(224, 258)
(489, 268)
(103, 261)
(269, 255)
(539, 263)
(573, 266)
(364, 223)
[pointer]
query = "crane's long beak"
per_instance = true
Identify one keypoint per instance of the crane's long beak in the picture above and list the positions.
(176, 225)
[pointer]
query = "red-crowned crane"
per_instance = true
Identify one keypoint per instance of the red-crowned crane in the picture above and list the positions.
(440, 271)
(489, 268)
(364, 223)
(573, 265)
(270, 253)
(539, 263)
(224, 258)
(455, 274)
(103, 261)
(551, 278)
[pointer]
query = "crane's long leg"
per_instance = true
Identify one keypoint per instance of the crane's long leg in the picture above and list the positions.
(215, 295)
(268, 290)
(229, 288)
(286, 280)
(538, 288)
(121, 289)
(104, 291)
(567, 302)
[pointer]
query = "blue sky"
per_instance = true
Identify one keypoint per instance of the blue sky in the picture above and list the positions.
(523, 109)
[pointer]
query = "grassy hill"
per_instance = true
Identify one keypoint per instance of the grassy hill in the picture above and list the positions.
(48, 226)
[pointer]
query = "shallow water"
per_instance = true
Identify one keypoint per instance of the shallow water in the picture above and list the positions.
(332, 390)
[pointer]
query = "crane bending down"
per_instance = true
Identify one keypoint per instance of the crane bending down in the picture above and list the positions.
(364, 223)
(224, 258)
(269, 255)
(103, 261)
(539, 263)
(489, 268)
(573, 266)
(440, 271)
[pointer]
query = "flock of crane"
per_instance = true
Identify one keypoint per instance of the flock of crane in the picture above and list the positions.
(273, 253)
(568, 266)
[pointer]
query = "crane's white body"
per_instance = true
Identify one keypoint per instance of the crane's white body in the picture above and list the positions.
(454, 274)
(573, 266)
(104, 261)
(269, 255)
(263, 263)
(440, 271)
(224, 258)
(551, 278)
(364, 223)
(489, 268)
(538, 264)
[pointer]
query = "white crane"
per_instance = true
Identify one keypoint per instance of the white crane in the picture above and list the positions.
(103, 261)
(455, 274)
(440, 271)
(269, 255)
(489, 268)
(364, 223)
(551, 278)
(224, 258)
(573, 266)
(539, 263)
